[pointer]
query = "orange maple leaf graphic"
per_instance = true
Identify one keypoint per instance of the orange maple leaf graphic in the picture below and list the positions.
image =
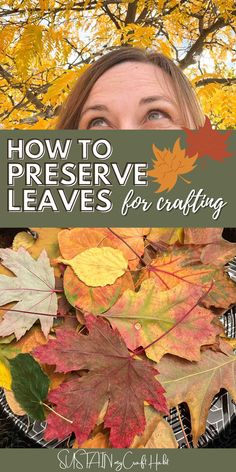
(207, 141)
(169, 165)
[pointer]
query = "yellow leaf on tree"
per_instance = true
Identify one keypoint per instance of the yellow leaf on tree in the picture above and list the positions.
(98, 267)
(44, 4)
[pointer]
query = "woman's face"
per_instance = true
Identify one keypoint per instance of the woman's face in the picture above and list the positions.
(132, 95)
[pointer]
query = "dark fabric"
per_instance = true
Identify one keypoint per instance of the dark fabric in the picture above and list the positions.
(227, 438)
(11, 437)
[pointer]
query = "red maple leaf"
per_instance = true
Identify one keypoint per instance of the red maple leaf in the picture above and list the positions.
(207, 142)
(113, 377)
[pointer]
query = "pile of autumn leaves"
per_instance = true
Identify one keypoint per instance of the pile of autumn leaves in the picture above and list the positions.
(103, 330)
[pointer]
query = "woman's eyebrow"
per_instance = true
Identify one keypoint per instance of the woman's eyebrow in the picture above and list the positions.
(143, 101)
(94, 107)
(155, 98)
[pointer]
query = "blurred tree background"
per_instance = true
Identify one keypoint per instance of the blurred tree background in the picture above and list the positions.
(45, 45)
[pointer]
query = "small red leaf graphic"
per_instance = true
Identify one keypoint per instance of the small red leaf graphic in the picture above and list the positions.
(207, 142)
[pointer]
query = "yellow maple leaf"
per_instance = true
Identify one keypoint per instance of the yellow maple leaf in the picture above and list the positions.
(169, 165)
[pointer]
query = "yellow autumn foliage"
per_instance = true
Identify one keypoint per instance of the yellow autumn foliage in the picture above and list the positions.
(45, 45)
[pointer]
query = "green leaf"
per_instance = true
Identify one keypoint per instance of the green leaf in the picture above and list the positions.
(29, 385)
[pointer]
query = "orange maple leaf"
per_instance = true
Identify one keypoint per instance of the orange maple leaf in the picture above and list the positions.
(169, 165)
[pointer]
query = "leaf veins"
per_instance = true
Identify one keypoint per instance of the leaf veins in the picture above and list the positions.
(113, 376)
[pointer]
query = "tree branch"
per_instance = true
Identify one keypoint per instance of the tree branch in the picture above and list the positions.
(197, 47)
(131, 12)
(171, 9)
(78, 6)
(211, 80)
(111, 16)
(142, 15)
(28, 94)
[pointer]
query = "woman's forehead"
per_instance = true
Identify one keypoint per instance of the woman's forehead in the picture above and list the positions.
(134, 78)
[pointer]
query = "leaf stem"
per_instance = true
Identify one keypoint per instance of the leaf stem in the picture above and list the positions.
(55, 412)
(35, 313)
(182, 427)
(31, 289)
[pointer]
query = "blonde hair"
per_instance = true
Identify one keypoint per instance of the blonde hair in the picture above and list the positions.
(187, 101)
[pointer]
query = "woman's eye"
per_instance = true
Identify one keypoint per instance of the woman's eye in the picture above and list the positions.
(157, 115)
(97, 122)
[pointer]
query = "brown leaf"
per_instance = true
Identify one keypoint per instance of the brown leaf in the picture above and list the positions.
(196, 383)
(218, 253)
(202, 235)
(158, 433)
(223, 293)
